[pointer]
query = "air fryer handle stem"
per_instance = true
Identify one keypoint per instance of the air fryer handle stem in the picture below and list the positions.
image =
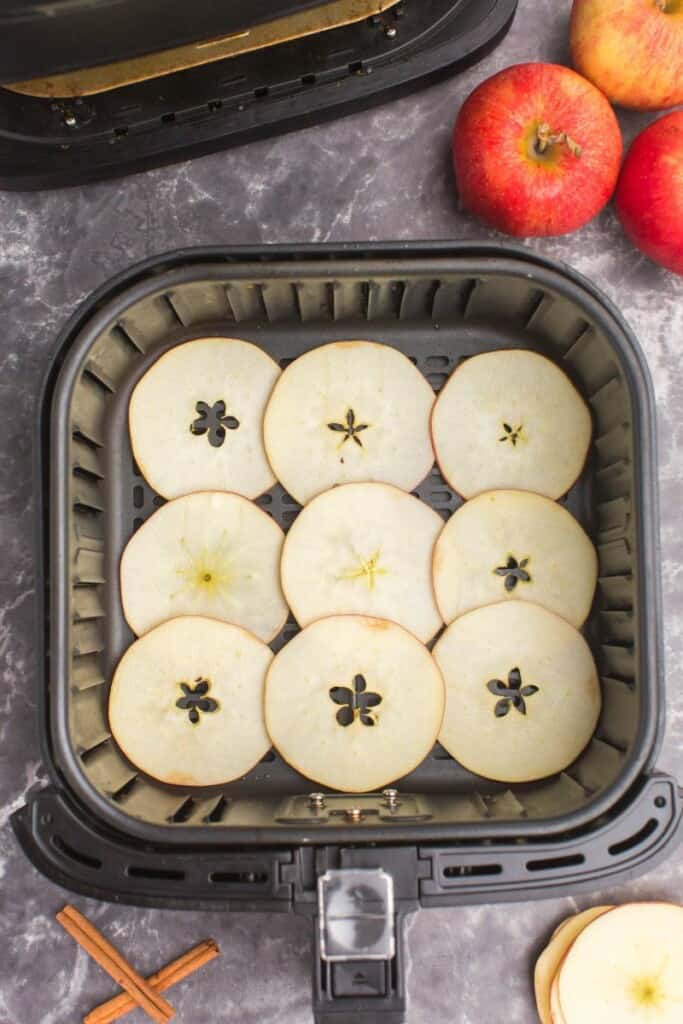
(361, 991)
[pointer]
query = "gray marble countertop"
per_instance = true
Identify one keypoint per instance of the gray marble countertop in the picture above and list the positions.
(384, 174)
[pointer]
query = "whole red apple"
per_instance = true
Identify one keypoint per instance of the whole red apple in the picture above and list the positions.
(537, 151)
(631, 49)
(650, 192)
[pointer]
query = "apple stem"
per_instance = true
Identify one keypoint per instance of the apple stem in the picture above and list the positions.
(545, 138)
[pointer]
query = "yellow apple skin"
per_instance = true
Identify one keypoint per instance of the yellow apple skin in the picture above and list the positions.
(631, 49)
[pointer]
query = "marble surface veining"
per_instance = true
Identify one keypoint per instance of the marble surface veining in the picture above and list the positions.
(383, 174)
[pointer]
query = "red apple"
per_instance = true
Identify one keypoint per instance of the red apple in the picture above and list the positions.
(650, 192)
(631, 49)
(537, 151)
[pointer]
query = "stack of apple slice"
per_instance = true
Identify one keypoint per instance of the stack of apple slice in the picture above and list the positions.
(614, 965)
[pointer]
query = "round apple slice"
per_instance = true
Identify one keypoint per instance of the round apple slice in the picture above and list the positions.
(212, 554)
(195, 418)
(522, 692)
(626, 966)
(552, 956)
(350, 410)
(186, 702)
(354, 703)
(514, 546)
(364, 549)
(510, 419)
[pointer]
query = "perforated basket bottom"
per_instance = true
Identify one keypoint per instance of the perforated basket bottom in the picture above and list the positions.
(437, 321)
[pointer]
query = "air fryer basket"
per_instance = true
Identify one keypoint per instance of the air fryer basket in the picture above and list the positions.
(452, 837)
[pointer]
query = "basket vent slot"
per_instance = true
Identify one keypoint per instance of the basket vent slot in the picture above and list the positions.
(217, 813)
(552, 863)
(472, 870)
(239, 877)
(78, 855)
(184, 812)
(635, 840)
(158, 874)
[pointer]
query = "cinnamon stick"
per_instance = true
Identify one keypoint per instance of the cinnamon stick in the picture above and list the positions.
(110, 960)
(169, 975)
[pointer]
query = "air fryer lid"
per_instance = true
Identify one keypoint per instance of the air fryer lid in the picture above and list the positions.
(38, 38)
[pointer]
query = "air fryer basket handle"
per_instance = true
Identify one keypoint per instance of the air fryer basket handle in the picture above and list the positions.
(361, 991)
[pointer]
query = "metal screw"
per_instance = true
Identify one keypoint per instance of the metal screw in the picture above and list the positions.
(391, 798)
(316, 801)
(390, 31)
(354, 815)
(70, 119)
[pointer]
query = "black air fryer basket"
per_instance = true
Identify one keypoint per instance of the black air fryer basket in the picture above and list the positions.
(47, 142)
(441, 836)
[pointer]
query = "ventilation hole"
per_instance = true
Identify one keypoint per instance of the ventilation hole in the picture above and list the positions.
(261, 92)
(137, 523)
(308, 79)
(86, 755)
(121, 130)
(77, 855)
(184, 812)
(289, 517)
(138, 496)
(123, 791)
(86, 510)
(78, 436)
(168, 118)
(437, 380)
(471, 870)
(91, 375)
(634, 840)
(265, 499)
(444, 496)
(161, 874)
(267, 758)
(238, 877)
(550, 863)
(158, 501)
(660, 802)
(218, 811)
(81, 473)
(437, 361)
(356, 67)
(214, 105)
(287, 499)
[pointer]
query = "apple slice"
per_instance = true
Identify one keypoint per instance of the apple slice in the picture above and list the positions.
(514, 546)
(212, 554)
(625, 967)
(195, 418)
(350, 410)
(522, 692)
(555, 1008)
(186, 702)
(552, 956)
(364, 549)
(510, 419)
(354, 703)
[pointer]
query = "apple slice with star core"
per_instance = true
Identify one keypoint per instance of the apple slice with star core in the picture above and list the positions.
(364, 549)
(213, 554)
